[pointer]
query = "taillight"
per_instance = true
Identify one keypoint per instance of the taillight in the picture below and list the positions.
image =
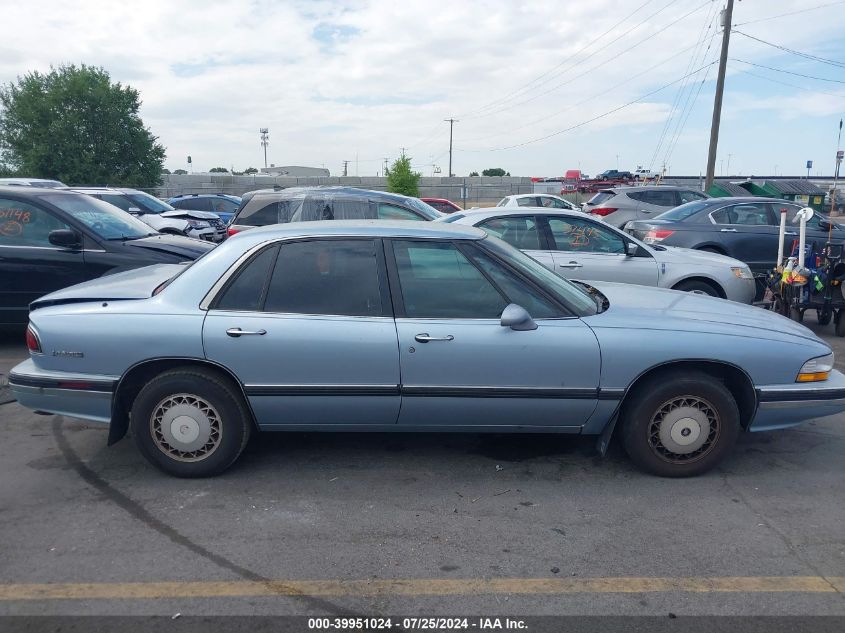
(657, 236)
(32, 342)
(232, 230)
(603, 210)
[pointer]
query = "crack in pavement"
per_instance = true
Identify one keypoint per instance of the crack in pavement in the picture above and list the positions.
(138, 512)
(778, 532)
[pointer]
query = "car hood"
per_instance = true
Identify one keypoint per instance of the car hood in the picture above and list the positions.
(692, 257)
(188, 213)
(183, 248)
(644, 307)
(131, 284)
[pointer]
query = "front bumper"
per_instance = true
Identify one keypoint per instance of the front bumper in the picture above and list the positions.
(783, 406)
(209, 234)
(85, 396)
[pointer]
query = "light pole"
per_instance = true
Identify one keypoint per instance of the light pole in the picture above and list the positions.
(726, 17)
(265, 141)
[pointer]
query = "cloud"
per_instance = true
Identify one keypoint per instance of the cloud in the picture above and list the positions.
(332, 79)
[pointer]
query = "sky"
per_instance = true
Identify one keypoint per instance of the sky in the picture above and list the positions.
(537, 87)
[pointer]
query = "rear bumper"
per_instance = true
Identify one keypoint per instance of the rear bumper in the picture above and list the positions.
(783, 406)
(85, 396)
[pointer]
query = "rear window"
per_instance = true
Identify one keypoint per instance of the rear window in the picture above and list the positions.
(682, 212)
(600, 197)
(258, 212)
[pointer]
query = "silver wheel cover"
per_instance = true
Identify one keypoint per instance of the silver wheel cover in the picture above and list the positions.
(186, 428)
(683, 429)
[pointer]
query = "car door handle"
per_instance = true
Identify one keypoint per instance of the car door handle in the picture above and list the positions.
(425, 338)
(728, 230)
(571, 265)
(235, 332)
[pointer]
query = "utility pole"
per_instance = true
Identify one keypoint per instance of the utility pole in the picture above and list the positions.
(726, 17)
(839, 157)
(729, 165)
(265, 141)
(402, 149)
(345, 166)
(386, 158)
(451, 125)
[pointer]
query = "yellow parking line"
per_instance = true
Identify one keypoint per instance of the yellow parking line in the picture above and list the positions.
(419, 587)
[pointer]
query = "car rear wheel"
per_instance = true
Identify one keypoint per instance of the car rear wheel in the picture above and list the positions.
(699, 287)
(190, 423)
(680, 427)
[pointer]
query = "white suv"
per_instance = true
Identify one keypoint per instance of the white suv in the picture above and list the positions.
(161, 216)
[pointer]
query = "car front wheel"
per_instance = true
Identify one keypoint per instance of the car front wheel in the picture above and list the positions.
(190, 423)
(698, 287)
(680, 425)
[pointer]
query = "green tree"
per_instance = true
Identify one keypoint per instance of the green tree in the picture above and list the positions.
(165, 171)
(218, 170)
(401, 179)
(73, 124)
(473, 173)
(179, 172)
(495, 171)
(250, 170)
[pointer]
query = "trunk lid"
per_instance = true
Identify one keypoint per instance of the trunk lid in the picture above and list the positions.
(129, 285)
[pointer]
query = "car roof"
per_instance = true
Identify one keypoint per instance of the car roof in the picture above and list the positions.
(106, 190)
(331, 191)
(531, 195)
(363, 228)
(474, 215)
(624, 189)
(206, 195)
(28, 190)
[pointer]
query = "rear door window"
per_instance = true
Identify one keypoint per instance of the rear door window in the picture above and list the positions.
(658, 197)
(23, 224)
(519, 232)
(747, 214)
(601, 196)
(247, 289)
(690, 196)
(577, 235)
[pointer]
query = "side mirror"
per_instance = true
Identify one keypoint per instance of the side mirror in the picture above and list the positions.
(134, 210)
(631, 249)
(66, 238)
(517, 318)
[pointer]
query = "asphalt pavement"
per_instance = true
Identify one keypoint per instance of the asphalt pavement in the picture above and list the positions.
(415, 524)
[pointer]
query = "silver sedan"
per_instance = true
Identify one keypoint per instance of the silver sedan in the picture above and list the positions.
(579, 247)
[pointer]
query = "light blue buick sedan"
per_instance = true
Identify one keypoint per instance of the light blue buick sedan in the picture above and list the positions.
(406, 326)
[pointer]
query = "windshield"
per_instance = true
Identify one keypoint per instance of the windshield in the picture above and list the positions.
(105, 220)
(149, 203)
(426, 209)
(572, 296)
(683, 212)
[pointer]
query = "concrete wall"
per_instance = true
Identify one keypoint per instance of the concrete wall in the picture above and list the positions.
(481, 189)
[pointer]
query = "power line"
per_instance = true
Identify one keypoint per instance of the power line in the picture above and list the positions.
(607, 61)
(591, 120)
(788, 85)
(794, 52)
(782, 15)
(708, 24)
(571, 106)
(788, 72)
(513, 93)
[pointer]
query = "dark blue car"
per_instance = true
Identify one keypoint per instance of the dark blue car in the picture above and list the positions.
(745, 228)
(222, 204)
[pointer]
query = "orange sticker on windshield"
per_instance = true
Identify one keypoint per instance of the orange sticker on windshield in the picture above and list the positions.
(15, 214)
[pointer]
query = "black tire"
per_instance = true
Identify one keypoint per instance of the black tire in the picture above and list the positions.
(213, 411)
(824, 316)
(839, 328)
(796, 314)
(700, 287)
(701, 400)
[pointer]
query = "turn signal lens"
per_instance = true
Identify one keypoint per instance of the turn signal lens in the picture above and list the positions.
(816, 369)
(32, 342)
(742, 272)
